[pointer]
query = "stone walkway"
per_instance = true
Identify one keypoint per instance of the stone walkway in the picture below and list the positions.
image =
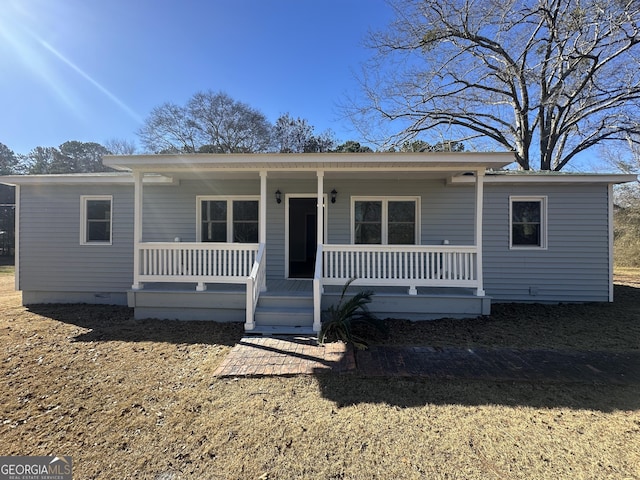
(259, 356)
(285, 356)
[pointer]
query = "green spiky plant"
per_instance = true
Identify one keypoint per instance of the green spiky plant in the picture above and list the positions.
(350, 320)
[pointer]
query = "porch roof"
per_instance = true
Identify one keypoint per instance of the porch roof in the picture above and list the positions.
(342, 162)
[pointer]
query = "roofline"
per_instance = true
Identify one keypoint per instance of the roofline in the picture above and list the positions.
(550, 177)
(105, 178)
(333, 161)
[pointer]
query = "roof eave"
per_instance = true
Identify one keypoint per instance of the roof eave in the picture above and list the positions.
(543, 177)
(120, 178)
(318, 161)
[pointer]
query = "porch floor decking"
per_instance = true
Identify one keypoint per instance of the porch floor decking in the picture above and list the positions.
(305, 288)
(290, 302)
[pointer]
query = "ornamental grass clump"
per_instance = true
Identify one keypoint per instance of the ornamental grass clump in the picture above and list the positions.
(351, 321)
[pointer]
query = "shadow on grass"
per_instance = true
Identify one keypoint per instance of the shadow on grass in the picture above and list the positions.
(584, 327)
(558, 345)
(416, 392)
(116, 323)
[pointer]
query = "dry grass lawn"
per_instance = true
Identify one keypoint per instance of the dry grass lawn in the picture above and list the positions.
(131, 399)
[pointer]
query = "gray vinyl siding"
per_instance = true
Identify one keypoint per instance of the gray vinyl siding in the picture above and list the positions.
(575, 265)
(447, 213)
(170, 210)
(573, 268)
(51, 256)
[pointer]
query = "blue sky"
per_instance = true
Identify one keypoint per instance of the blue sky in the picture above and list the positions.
(92, 70)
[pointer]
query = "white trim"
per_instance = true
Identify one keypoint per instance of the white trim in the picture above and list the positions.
(83, 219)
(611, 247)
(229, 199)
(478, 231)
(320, 225)
(541, 177)
(16, 239)
(138, 196)
(385, 199)
(262, 209)
(106, 178)
(543, 199)
(288, 196)
(323, 161)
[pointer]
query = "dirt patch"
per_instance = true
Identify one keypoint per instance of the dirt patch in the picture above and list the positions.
(137, 399)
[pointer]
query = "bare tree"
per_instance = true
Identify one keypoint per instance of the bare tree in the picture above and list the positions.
(210, 122)
(120, 146)
(547, 79)
(169, 128)
(228, 126)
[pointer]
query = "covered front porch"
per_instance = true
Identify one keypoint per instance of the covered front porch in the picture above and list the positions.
(421, 280)
(287, 305)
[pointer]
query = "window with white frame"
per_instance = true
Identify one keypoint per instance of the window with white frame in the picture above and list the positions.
(385, 221)
(228, 219)
(95, 221)
(528, 222)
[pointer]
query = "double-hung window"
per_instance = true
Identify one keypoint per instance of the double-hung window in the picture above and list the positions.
(385, 221)
(95, 221)
(228, 219)
(528, 222)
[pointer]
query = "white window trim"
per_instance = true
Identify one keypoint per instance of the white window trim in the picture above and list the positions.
(229, 199)
(543, 221)
(83, 219)
(385, 214)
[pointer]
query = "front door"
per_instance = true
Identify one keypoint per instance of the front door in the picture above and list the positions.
(303, 228)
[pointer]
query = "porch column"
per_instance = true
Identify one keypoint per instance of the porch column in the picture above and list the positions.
(320, 227)
(262, 228)
(478, 232)
(137, 228)
(317, 282)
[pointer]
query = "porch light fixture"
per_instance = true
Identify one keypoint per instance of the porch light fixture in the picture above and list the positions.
(278, 196)
(333, 195)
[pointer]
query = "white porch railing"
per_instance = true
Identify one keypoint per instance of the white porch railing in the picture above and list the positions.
(256, 283)
(195, 262)
(405, 265)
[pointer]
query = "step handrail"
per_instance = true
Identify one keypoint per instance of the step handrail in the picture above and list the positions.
(256, 283)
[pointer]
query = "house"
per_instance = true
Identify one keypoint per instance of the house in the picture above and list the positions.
(269, 239)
